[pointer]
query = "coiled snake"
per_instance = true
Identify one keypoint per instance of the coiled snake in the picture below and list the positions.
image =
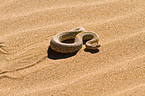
(78, 34)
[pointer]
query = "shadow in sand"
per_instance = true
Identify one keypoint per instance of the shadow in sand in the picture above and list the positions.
(91, 51)
(55, 55)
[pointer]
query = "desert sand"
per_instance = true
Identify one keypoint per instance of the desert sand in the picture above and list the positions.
(28, 67)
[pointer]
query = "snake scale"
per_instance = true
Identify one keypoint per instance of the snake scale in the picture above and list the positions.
(78, 34)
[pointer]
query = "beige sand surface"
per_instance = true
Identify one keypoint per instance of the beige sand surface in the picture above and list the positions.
(29, 68)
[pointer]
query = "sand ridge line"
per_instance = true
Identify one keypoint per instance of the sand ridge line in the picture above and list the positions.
(60, 7)
(41, 16)
(47, 27)
(111, 19)
(126, 37)
(23, 57)
(106, 20)
(75, 21)
(25, 67)
(82, 76)
(111, 69)
(129, 88)
(1, 49)
(7, 3)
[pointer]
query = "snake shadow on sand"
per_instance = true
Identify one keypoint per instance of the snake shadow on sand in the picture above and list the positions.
(55, 55)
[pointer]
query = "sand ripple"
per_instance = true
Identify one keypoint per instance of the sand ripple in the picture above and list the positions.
(29, 67)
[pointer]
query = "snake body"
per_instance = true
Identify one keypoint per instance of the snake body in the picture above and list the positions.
(78, 34)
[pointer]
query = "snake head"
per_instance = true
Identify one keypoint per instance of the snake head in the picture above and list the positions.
(78, 29)
(93, 46)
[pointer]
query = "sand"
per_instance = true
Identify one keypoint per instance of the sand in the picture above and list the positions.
(28, 67)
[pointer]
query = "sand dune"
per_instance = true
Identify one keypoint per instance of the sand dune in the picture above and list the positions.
(28, 67)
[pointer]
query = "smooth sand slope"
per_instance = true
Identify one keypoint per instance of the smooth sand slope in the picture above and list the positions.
(28, 67)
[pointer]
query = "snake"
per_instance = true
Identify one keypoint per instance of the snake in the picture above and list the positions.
(78, 34)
